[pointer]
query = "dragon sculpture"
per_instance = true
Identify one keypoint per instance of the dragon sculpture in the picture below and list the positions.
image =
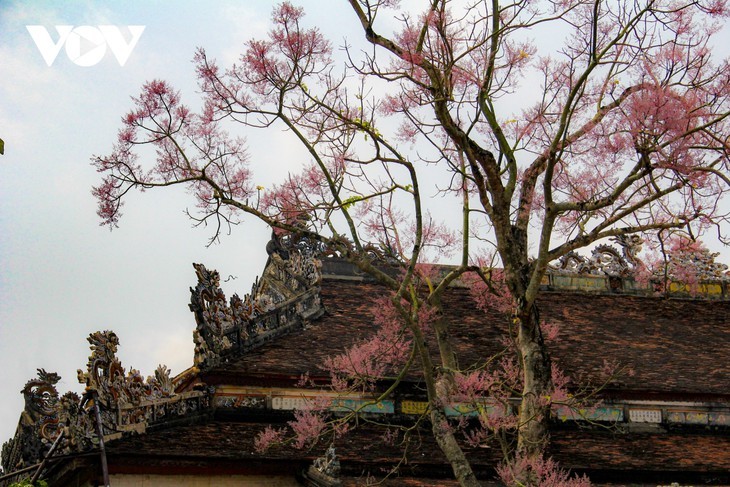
(605, 259)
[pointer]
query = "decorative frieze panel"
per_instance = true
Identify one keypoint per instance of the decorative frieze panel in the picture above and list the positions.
(710, 418)
(286, 399)
(719, 418)
(293, 399)
(457, 409)
(609, 414)
(362, 406)
(641, 415)
(413, 407)
(240, 401)
(289, 403)
(580, 282)
(687, 417)
(472, 410)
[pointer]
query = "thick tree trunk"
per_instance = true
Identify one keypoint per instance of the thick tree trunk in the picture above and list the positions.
(534, 413)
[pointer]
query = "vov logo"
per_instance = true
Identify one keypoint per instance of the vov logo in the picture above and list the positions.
(85, 45)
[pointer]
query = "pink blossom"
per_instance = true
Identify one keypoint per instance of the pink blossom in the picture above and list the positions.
(559, 383)
(190, 150)
(492, 295)
(716, 8)
(390, 436)
(550, 331)
(109, 204)
(474, 386)
(285, 58)
(287, 13)
(538, 471)
(307, 426)
(268, 438)
(370, 360)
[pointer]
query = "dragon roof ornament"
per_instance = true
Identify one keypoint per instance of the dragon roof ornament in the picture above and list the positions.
(697, 264)
(337, 247)
(285, 297)
(106, 380)
(127, 402)
(617, 260)
(684, 271)
(605, 259)
(38, 424)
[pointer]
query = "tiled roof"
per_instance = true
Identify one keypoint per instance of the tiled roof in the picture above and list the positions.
(673, 346)
(606, 455)
(679, 452)
(677, 348)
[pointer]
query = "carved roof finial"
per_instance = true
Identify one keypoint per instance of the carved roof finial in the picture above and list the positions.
(325, 470)
(276, 247)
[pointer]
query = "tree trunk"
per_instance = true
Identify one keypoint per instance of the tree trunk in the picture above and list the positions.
(536, 368)
(438, 387)
(447, 442)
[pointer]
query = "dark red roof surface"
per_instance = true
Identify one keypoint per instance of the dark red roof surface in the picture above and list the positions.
(230, 444)
(673, 346)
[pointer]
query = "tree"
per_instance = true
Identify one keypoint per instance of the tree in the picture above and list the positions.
(622, 132)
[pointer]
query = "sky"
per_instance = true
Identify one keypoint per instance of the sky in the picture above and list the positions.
(62, 276)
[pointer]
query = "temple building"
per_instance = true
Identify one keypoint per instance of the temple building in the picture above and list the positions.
(259, 359)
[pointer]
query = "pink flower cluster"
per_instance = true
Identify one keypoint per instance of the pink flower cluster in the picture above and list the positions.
(538, 471)
(372, 359)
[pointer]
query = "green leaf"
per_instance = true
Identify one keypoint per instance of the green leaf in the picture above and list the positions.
(2, 146)
(346, 204)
